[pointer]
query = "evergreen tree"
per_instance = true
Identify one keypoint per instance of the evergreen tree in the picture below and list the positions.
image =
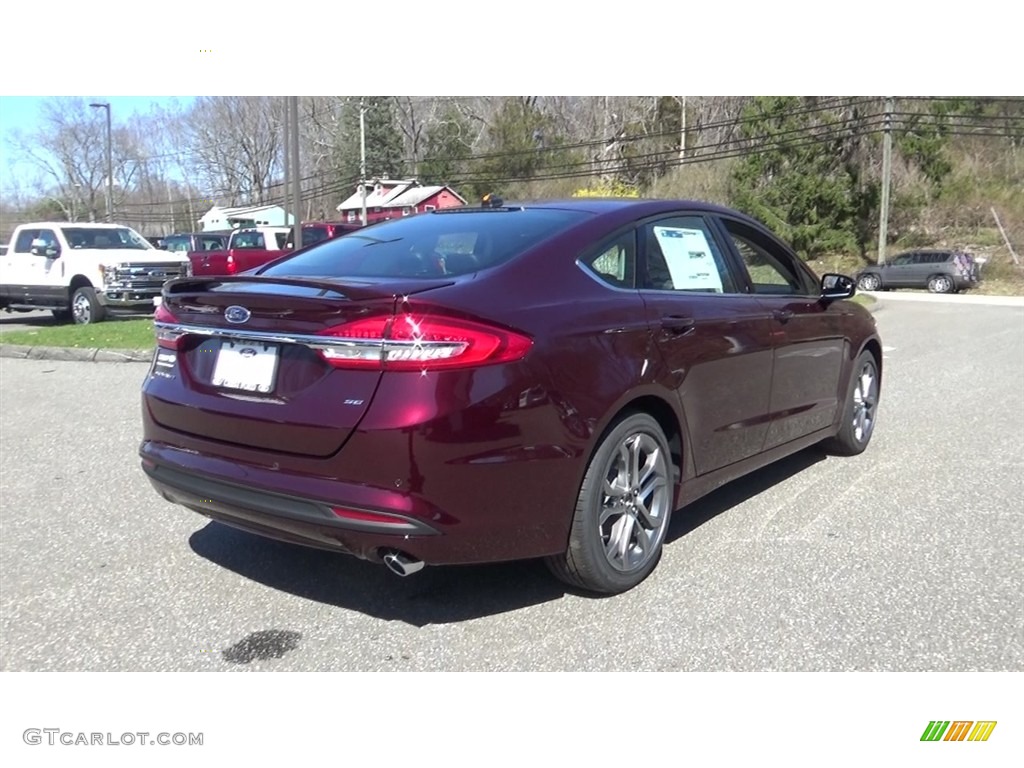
(383, 141)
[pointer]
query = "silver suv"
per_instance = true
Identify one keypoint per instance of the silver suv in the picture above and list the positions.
(938, 271)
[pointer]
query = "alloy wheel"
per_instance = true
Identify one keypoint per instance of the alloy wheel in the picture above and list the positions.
(865, 401)
(634, 503)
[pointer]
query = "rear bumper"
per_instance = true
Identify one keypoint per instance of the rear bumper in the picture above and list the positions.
(289, 518)
(298, 509)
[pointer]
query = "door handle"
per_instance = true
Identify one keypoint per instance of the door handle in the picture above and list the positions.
(782, 315)
(677, 325)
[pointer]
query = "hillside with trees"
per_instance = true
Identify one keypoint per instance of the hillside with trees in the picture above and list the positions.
(809, 167)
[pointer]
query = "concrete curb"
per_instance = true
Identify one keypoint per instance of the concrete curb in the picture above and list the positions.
(75, 354)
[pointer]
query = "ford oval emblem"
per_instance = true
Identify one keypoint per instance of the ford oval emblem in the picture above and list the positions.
(236, 314)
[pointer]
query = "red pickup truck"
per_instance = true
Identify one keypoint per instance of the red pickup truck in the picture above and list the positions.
(246, 249)
(253, 247)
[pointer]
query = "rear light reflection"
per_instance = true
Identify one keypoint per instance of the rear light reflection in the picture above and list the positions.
(421, 343)
(166, 338)
(366, 517)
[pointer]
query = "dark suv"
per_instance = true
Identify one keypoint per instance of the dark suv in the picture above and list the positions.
(938, 271)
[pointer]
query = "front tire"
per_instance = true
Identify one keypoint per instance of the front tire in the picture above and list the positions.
(85, 307)
(622, 511)
(859, 411)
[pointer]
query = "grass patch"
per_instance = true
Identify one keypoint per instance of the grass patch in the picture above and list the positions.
(113, 334)
(864, 300)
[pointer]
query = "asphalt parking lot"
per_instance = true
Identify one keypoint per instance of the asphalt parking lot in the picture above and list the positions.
(907, 558)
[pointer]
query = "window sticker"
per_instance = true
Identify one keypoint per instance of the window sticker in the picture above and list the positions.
(688, 255)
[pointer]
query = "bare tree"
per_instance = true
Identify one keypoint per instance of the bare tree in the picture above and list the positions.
(69, 149)
(235, 143)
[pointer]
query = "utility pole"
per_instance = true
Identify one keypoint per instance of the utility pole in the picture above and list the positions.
(682, 129)
(883, 224)
(110, 166)
(287, 159)
(362, 155)
(170, 203)
(296, 173)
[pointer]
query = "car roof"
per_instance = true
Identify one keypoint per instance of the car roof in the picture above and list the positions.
(75, 224)
(626, 207)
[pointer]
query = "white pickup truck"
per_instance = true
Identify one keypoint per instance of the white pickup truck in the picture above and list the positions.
(80, 271)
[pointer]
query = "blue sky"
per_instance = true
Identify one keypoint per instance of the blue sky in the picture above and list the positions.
(22, 113)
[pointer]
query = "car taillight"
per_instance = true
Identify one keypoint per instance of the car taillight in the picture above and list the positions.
(167, 338)
(411, 342)
(232, 267)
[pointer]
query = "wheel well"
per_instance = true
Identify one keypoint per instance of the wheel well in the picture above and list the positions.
(78, 281)
(876, 350)
(662, 413)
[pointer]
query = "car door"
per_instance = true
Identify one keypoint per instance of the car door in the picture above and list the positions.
(49, 288)
(22, 268)
(715, 341)
(898, 273)
(808, 338)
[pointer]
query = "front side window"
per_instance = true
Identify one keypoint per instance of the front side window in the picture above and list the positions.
(458, 243)
(24, 242)
(771, 269)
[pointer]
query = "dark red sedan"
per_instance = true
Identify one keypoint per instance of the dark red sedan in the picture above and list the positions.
(481, 384)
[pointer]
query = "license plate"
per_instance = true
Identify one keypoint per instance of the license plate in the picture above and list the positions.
(246, 365)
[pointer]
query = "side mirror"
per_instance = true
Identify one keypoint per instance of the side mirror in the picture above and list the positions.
(834, 287)
(41, 248)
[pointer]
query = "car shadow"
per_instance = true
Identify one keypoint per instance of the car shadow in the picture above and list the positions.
(694, 515)
(31, 319)
(440, 595)
(35, 320)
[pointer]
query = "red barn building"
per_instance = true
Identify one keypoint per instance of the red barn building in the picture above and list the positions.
(391, 199)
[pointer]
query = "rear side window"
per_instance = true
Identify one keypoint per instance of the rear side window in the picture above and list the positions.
(429, 246)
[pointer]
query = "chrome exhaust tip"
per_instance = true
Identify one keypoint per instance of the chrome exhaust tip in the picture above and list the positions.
(402, 564)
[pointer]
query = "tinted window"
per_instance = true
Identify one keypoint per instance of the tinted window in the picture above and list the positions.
(680, 254)
(429, 246)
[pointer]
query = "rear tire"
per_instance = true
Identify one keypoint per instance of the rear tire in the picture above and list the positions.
(85, 307)
(860, 410)
(869, 282)
(940, 284)
(622, 511)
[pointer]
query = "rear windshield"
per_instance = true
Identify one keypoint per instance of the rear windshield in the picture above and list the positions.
(429, 246)
(312, 235)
